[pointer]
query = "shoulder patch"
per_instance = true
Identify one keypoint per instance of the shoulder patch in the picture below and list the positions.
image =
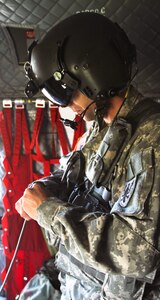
(127, 193)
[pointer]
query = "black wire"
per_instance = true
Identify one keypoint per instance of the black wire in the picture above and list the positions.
(73, 124)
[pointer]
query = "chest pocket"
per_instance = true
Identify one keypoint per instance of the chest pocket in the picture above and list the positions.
(139, 181)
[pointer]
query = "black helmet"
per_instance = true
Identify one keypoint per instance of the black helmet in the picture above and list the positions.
(86, 51)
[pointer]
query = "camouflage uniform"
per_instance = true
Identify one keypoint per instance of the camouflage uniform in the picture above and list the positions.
(122, 245)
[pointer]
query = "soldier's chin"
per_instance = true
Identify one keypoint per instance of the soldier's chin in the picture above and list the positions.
(88, 118)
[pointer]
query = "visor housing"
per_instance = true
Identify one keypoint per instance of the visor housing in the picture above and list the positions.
(57, 93)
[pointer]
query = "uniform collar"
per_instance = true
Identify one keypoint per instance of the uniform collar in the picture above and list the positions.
(133, 98)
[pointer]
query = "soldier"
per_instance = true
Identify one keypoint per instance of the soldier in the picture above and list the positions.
(103, 204)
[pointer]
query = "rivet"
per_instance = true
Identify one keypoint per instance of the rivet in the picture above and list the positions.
(76, 67)
(25, 278)
(10, 191)
(85, 66)
(8, 210)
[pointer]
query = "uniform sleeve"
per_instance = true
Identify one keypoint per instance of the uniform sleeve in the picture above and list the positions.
(124, 241)
(54, 185)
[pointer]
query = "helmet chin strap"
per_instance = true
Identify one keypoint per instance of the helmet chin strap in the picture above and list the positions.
(73, 124)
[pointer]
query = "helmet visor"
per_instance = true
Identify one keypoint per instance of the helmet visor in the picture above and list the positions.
(56, 92)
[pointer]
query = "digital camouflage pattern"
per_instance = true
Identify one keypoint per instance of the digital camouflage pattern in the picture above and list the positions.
(39, 288)
(125, 243)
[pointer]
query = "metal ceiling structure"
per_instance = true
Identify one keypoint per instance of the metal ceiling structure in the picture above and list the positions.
(140, 19)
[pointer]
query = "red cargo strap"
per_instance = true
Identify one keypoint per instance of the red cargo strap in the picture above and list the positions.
(38, 156)
(36, 152)
(12, 157)
(21, 134)
(33, 250)
(55, 118)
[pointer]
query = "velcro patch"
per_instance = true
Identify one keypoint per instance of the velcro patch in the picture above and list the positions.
(127, 193)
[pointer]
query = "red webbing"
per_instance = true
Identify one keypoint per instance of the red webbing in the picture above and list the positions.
(55, 118)
(18, 166)
(36, 129)
(38, 156)
(20, 155)
(6, 134)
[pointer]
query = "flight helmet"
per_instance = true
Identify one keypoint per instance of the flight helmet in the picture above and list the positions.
(86, 52)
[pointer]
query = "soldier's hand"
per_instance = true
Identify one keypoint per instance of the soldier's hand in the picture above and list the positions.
(32, 198)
